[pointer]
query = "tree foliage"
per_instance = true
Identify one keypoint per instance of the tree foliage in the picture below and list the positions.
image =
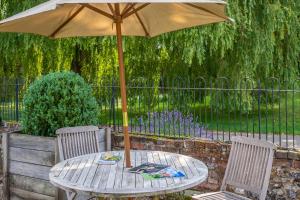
(60, 99)
(263, 42)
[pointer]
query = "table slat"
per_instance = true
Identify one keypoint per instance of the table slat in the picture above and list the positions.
(112, 174)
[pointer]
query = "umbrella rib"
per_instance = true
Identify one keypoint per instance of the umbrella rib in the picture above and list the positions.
(67, 21)
(111, 8)
(97, 10)
(135, 10)
(141, 22)
(127, 8)
(206, 10)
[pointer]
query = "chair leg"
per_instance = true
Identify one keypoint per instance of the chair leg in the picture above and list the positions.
(71, 195)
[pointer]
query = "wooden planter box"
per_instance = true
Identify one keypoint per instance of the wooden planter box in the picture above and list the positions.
(27, 161)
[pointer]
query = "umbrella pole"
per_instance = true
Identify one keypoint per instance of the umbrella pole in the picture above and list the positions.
(123, 92)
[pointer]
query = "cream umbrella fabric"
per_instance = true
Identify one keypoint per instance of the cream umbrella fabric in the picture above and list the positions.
(73, 18)
(69, 18)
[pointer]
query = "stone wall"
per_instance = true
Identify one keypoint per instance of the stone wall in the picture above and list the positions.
(285, 179)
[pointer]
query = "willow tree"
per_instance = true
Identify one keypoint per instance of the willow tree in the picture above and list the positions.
(263, 42)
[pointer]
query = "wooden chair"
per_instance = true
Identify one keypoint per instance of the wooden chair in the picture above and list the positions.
(77, 141)
(249, 168)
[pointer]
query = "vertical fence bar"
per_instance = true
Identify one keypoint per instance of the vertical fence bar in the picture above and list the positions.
(2, 98)
(118, 103)
(222, 107)
(194, 110)
(286, 114)
(158, 106)
(217, 91)
(136, 103)
(259, 109)
(130, 105)
(273, 111)
(279, 113)
(235, 107)
(186, 94)
(17, 100)
(211, 108)
(253, 115)
(113, 103)
(154, 104)
(293, 108)
(266, 112)
(240, 106)
(173, 111)
(293, 113)
(5, 104)
(247, 112)
(162, 103)
(205, 106)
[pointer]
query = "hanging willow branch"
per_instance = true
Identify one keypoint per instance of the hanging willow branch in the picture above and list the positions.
(263, 42)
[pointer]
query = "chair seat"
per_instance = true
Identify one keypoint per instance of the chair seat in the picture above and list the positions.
(219, 196)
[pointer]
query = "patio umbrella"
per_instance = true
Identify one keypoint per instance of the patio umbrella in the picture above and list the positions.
(72, 18)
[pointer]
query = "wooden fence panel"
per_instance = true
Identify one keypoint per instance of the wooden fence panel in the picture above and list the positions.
(23, 194)
(29, 170)
(32, 185)
(27, 161)
(32, 142)
(32, 156)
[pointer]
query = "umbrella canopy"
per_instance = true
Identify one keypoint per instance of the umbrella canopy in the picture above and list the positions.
(70, 18)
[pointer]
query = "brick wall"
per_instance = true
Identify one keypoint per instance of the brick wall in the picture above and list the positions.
(285, 179)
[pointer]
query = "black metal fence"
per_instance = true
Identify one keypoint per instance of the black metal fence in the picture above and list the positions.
(212, 109)
(11, 99)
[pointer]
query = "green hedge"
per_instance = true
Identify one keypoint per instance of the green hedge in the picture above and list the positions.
(58, 100)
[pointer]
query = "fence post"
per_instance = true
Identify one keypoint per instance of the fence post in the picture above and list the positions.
(108, 138)
(17, 100)
(5, 138)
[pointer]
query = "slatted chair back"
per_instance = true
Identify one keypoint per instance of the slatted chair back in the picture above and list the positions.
(77, 141)
(249, 165)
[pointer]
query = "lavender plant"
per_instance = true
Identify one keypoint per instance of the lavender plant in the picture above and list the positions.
(169, 123)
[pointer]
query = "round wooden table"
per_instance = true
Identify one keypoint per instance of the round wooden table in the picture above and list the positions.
(83, 175)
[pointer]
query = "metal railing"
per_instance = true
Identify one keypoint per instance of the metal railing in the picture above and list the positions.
(180, 108)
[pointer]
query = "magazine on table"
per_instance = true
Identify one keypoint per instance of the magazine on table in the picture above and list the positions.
(154, 171)
(148, 168)
(109, 159)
